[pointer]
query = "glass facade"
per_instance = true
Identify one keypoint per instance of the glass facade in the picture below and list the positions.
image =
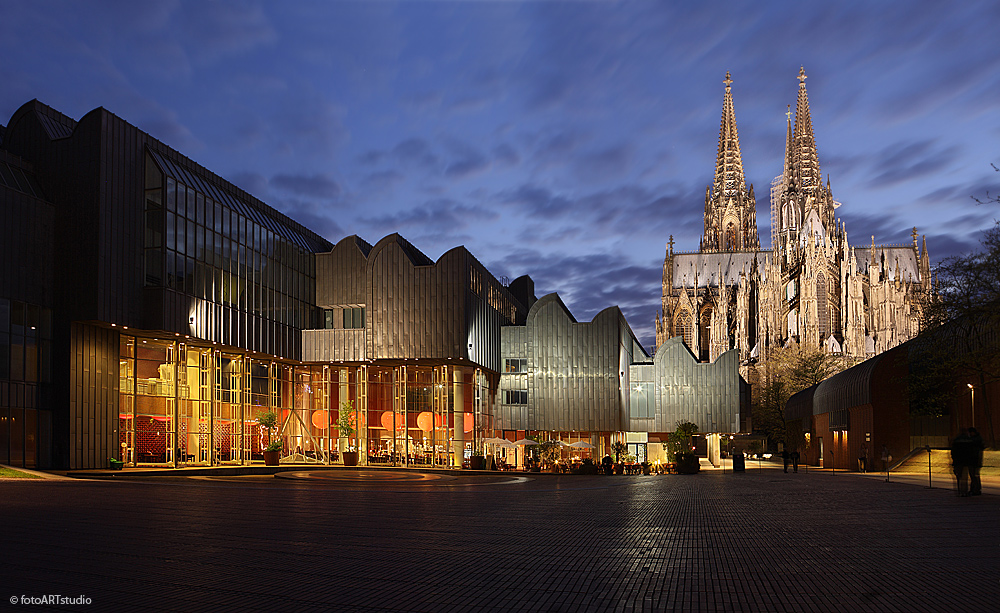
(25, 366)
(183, 404)
(202, 246)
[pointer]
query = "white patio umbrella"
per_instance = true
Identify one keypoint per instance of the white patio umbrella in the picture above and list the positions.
(582, 445)
(525, 441)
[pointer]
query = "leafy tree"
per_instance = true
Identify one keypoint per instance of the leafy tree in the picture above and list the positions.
(679, 440)
(347, 420)
(786, 372)
(961, 332)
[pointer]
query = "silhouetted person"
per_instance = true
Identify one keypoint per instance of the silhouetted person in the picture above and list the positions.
(863, 459)
(961, 459)
(607, 463)
(785, 456)
(976, 447)
(795, 461)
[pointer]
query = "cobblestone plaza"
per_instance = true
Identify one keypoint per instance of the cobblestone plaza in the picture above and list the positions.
(390, 540)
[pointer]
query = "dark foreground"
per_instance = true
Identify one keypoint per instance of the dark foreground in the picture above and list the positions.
(402, 541)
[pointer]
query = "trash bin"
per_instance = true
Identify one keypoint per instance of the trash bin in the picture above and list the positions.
(739, 465)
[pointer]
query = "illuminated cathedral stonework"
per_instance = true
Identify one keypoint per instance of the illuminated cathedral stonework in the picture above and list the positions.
(812, 287)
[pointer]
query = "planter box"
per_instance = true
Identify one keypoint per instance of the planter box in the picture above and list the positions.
(350, 458)
(271, 458)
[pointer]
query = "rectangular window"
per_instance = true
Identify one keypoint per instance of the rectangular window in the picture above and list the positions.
(354, 318)
(516, 396)
(514, 365)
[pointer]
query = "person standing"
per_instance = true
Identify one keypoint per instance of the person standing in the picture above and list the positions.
(863, 459)
(795, 461)
(785, 457)
(961, 460)
(976, 447)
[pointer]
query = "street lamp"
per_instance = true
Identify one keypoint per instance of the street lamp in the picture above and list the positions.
(972, 393)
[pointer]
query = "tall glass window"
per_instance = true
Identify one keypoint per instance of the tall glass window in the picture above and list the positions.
(154, 223)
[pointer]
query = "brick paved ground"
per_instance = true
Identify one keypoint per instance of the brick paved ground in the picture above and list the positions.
(385, 541)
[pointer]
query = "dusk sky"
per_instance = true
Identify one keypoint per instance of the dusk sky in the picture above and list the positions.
(565, 140)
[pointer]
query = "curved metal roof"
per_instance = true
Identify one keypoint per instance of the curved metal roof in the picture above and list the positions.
(850, 388)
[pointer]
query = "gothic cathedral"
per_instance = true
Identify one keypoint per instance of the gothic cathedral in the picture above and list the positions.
(812, 287)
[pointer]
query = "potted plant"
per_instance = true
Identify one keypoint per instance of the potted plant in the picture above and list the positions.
(346, 422)
(272, 452)
(550, 454)
(115, 464)
(619, 448)
(646, 466)
(687, 463)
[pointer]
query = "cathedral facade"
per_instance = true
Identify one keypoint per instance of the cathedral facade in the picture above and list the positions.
(812, 288)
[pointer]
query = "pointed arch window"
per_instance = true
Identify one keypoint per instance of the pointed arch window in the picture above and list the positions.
(730, 237)
(705, 334)
(822, 310)
(683, 327)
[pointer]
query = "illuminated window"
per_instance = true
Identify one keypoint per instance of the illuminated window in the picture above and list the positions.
(515, 365)
(516, 396)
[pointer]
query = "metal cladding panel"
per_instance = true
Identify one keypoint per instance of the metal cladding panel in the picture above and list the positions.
(706, 394)
(574, 369)
(339, 345)
(416, 311)
(341, 274)
(850, 388)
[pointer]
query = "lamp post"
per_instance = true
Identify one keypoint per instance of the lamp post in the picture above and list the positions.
(972, 393)
(722, 459)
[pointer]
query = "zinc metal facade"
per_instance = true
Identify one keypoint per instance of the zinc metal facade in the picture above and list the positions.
(562, 375)
(577, 374)
(707, 394)
(414, 308)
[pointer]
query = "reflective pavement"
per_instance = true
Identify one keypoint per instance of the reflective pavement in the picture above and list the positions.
(384, 540)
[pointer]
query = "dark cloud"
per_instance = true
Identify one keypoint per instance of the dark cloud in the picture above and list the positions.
(506, 155)
(317, 186)
(608, 163)
(904, 161)
(468, 161)
(253, 182)
(370, 157)
(382, 179)
(222, 28)
(537, 201)
(589, 284)
(415, 152)
(312, 215)
(440, 217)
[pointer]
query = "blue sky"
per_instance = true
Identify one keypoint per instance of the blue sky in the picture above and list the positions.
(565, 140)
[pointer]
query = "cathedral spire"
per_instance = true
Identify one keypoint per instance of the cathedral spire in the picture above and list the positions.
(729, 179)
(730, 208)
(789, 146)
(804, 156)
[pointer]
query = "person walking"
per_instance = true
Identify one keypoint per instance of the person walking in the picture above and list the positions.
(863, 459)
(961, 460)
(795, 461)
(785, 456)
(976, 447)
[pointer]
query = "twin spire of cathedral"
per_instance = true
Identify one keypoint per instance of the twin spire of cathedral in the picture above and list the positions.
(802, 161)
(730, 208)
(729, 178)
(730, 205)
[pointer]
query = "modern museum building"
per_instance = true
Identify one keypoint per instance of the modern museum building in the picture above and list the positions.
(151, 311)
